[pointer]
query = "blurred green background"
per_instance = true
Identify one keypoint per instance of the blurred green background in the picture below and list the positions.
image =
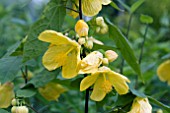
(17, 16)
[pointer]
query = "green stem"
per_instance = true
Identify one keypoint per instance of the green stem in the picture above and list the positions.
(84, 55)
(32, 109)
(143, 43)
(127, 36)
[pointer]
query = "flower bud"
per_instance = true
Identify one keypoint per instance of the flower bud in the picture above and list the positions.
(13, 109)
(89, 44)
(98, 29)
(105, 61)
(99, 21)
(111, 55)
(81, 41)
(104, 29)
(81, 28)
(159, 111)
(22, 109)
(14, 102)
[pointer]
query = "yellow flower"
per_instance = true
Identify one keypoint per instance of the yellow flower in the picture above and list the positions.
(62, 52)
(163, 71)
(141, 105)
(81, 28)
(89, 7)
(51, 91)
(92, 7)
(6, 94)
(104, 79)
(90, 63)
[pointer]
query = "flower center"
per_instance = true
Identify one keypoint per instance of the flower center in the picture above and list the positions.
(107, 86)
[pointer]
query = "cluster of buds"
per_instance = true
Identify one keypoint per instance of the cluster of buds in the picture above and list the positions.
(110, 56)
(101, 26)
(82, 29)
(18, 109)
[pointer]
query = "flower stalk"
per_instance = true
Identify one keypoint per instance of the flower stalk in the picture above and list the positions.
(127, 36)
(84, 55)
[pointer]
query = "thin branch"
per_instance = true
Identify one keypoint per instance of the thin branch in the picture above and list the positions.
(32, 109)
(71, 9)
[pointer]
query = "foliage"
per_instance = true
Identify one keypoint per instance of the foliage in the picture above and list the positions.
(21, 52)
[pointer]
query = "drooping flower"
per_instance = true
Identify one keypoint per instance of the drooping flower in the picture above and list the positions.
(51, 91)
(163, 71)
(62, 52)
(21, 109)
(141, 105)
(81, 28)
(90, 63)
(104, 79)
(89, 7)
(6, 94)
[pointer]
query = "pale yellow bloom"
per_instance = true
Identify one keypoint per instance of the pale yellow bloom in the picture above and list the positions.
(102, 27)
(104, 79)
(51, 91)
(141, 105)
(163, 71)
(82, 28)
(93, 7)
(91, 62)
(6, 94)
(89, 7)
(111, 55)
(62, 52)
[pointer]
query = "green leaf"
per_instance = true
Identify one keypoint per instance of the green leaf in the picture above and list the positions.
(12, 49)
(135, 92)
(124, 5)
(52, 18)
(113, 4)
(3, 111)
(43, 78)
(163, 106)
(146, 19)
(26, 93)
(9, 67)
(124, 46)
(104, 47)
(136, 5)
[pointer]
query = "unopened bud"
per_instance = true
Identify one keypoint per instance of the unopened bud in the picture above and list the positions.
(14, 102)
(22, 109)
(89, 44)
(81, 41)
(111, 55)
(99, 21)
(104, 29)
(13, 109)
(159, 111)
(98, 29)
(105, 61)
(81, 28)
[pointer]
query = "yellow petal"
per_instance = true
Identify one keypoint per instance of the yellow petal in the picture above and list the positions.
(55, 56)
(119, 82)
(70, 68)
(163, 71)
(91, 7)
(106, 2)
(91, 63)
(98, 94)
(54, 37)
(88, 81)
(141, 105)
(81, 28)
(6, 94)
(51, 91)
